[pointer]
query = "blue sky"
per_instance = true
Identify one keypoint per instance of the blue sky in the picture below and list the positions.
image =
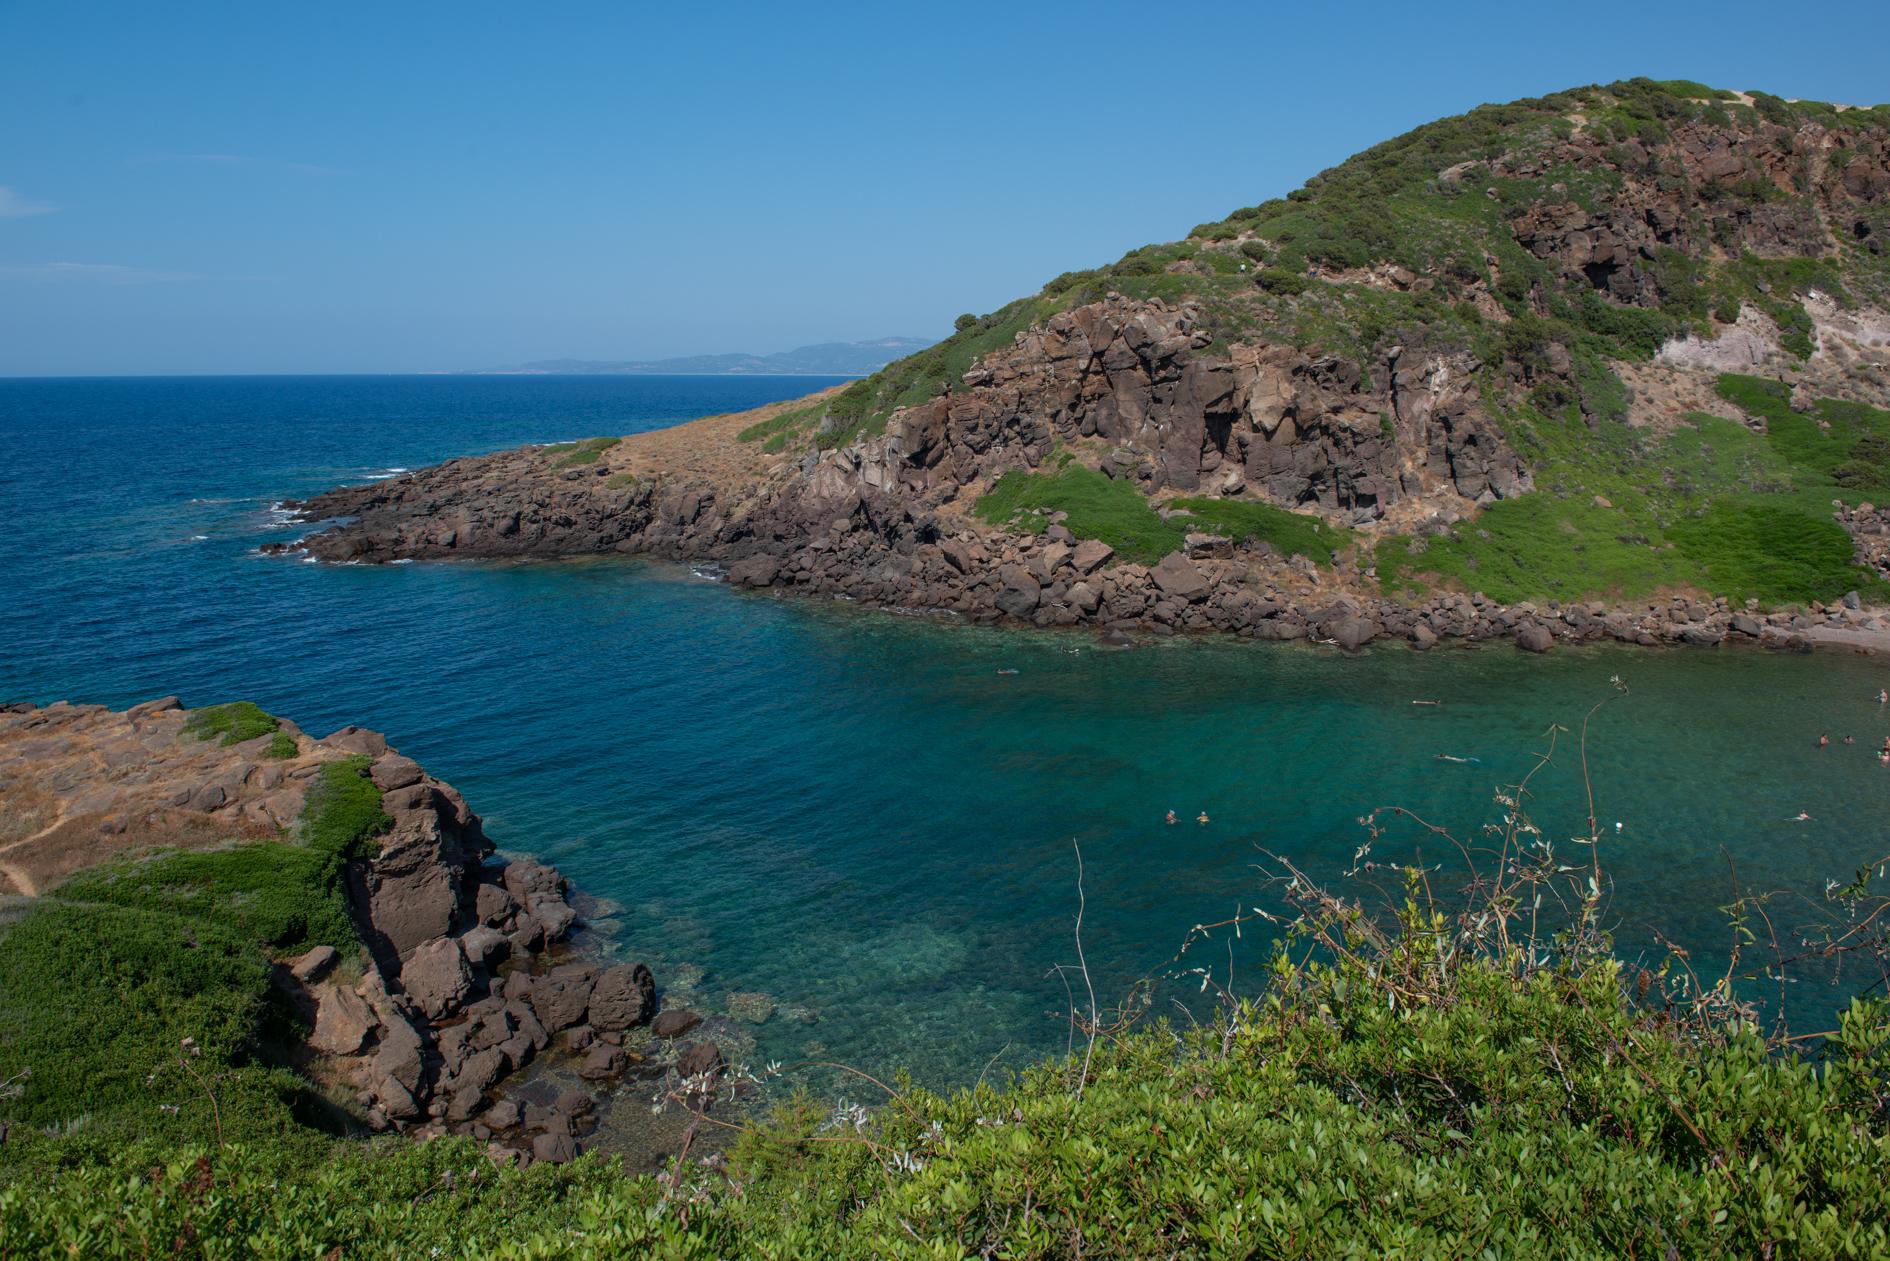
(409, 187)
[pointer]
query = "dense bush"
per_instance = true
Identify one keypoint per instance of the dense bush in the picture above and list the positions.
(235, 722)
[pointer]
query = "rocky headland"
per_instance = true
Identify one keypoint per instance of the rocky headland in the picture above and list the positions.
(463, 976)
(1293, 359)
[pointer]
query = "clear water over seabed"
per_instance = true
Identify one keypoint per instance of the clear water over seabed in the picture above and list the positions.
(855, 812)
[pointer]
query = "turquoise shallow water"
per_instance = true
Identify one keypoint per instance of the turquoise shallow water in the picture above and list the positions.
(851, 811)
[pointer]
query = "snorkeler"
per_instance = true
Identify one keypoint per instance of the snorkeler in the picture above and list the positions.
(1201, 818)
(1171, 817)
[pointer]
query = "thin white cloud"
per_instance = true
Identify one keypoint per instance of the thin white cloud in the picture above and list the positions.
(90, 273)
(14, 206)
(234, 159)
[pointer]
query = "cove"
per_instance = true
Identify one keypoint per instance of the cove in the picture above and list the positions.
(852, 812)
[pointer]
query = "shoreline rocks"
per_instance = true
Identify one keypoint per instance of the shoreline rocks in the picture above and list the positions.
(465, 974)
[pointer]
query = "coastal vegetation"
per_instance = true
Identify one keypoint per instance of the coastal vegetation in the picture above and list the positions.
(587, 451)
(1116, 512)
(1419, 1073)
(1470, 237)
(1429, 202)
(136, 1011)
(1710, 505)
(232, 723)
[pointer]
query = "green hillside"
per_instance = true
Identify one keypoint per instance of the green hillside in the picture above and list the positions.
(1448, 210)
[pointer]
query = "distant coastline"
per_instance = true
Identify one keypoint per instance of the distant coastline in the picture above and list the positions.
(826, 359)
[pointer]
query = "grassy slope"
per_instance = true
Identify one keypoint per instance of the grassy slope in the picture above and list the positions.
(103, 980)
(1266, 271)
(1118, 514)
(1711, 507)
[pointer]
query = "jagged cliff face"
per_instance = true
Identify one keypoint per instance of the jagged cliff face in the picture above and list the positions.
(1296, 427)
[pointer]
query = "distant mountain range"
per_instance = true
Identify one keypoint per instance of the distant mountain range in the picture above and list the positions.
(828, 359)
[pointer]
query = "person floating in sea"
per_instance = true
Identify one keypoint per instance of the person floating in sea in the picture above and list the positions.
(1171, 817)
(1883, 696)
(1800, 817)
(1824, 741)
(1201, 818)
(1850, 739)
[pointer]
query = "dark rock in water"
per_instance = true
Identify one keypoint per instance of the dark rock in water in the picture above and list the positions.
(603, 1062)
(1534, 638)
(673, 1024)
(1423, 638)
(560, 997)
(696, 1058)
(624, 995)
(554, 1149)
(757, 570)
(502, 1115)
(573, 1102)
(1354, 633)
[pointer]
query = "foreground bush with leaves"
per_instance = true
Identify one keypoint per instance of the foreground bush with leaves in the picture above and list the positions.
(1536, 1112)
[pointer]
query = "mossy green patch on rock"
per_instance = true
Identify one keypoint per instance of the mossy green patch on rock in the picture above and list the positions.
(1115, 512)
(233, 723)
(588, 451)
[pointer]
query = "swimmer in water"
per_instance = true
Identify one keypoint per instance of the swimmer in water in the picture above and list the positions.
(1801, 817)
(1824, 741)
(1883, 697)
(1202, 818)
(1171, 817)
(1850, 739)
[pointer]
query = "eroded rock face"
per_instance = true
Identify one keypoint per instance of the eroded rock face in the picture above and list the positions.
(1302, 429)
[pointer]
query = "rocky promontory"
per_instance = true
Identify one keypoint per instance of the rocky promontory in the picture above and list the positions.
(1559, 359)
(462, 972)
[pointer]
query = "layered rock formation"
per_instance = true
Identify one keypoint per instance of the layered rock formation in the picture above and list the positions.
(462, 978)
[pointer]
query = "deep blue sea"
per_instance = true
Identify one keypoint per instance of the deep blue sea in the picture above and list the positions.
(863, 815)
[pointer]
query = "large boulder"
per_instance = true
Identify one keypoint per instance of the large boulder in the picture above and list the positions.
(1021, 593)
(1534, 637)
(623, 996)
(1177, 576)
(560, 998)
(755, 570)
(343, 1020)
(1354, 633)
(1091, 555)
(436, 977)
(603, 1062)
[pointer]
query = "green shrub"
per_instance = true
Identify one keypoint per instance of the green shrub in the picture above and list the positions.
(588, 451)
(282, 745)
(235, 722)
(1113, 511)
(343, 811)
(96, 1002)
